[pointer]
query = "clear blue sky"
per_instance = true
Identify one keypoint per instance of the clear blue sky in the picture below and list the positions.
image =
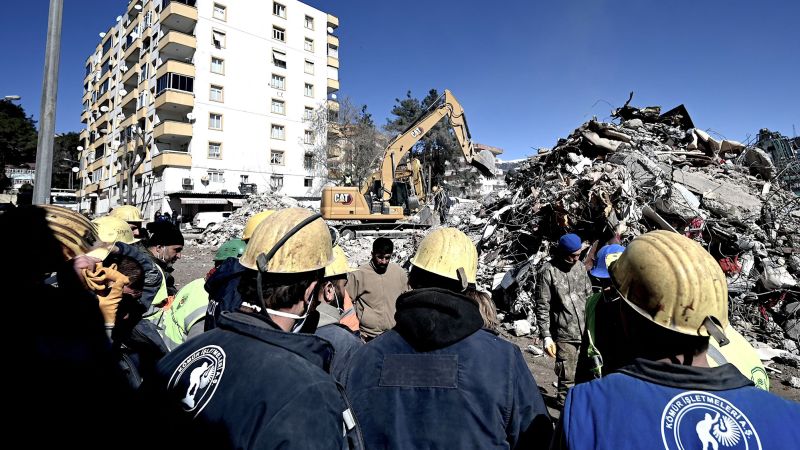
(527, 72)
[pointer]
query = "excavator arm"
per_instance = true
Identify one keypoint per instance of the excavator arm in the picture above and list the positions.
(445, 106)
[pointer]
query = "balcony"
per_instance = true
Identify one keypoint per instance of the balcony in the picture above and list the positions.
(131, 26)
(333, 85)
(129, 97)
(173, 66)
(177, 45)
(92, 188)
(173, 132)
(333, 21)
(95, 165)
(333, 40)
(127, 81)
(85, 116)
(180, 17)
(133, 49)
(177, 101)
(172, 159)
(333, 62)
(130, 120)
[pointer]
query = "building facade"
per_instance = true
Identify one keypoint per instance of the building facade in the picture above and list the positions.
(206, 100)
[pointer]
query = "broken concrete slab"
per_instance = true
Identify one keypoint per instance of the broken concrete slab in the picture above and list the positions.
(724, 192)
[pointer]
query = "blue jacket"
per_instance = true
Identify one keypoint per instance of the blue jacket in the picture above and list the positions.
(652, 405)
(248, 384)
(223, 291)
(437, 380)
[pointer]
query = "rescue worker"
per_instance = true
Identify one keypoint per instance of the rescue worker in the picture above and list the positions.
(438, 379)
(601, 320)
(603, 329)
(251, 382)
(138, 344)
(185, 317)
(222, 286)
(673, 301)
(165, 246)
(61, 356)
(374, 288)
(561, 292)
(333, 299)
(132, 216)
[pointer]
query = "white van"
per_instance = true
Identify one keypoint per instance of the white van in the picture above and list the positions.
(207, 219)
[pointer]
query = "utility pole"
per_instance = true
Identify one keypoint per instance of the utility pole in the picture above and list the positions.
(47, 112)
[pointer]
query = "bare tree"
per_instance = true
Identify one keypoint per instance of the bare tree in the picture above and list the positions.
(130, 159)
(349, 144)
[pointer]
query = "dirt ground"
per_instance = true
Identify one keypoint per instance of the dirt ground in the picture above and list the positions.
(195, 262)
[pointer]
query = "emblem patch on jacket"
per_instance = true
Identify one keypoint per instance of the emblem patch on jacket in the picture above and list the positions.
(697, 419)
(197, 377)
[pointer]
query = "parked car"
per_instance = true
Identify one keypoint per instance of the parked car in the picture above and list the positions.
(207, 219)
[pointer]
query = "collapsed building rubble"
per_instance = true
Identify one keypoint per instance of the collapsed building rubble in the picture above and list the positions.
(233, 226)
(649, 171)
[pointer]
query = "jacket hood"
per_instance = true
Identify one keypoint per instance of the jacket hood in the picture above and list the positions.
(229, 269)
(312, 348)
(434, 318)
(327, 314)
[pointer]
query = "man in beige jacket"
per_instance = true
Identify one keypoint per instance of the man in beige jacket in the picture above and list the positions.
(374, 288)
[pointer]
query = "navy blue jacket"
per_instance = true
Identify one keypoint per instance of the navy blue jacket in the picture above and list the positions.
(223, 291)
(248, 384)
(438, 380)
(659, 405)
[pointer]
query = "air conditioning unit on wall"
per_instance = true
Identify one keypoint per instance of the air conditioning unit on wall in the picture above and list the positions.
(188, 182)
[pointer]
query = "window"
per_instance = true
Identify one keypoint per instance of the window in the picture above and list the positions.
(279, 58)
(278, 9)
(308, 113)
(278, 82)
(279, 34)
(278, 132)
(309, 67)
(308, 182)
(174, 81)
(216, 176)
(220, 11)
(215, 94)
(333, 51)
(308, 161)
(278, 106)
(145, 72)
(276, 182)
(214, 150)
(309, 90)
(309, 22)
(217, 65)
(308, 137)
(309, 45)
(215, 121)
(218, 39)
(276, 157)
(244, 179)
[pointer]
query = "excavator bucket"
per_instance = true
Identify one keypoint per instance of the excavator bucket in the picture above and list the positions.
(484, 162)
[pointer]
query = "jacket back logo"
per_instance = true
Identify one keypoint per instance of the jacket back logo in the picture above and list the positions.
(697, 419)
(197, 377)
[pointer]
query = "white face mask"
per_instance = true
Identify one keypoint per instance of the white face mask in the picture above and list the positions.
(300, 320)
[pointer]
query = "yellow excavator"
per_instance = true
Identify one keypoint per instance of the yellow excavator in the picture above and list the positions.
(381, 200)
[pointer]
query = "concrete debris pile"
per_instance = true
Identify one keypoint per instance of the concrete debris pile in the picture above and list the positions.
(233, 226)
(651, 171)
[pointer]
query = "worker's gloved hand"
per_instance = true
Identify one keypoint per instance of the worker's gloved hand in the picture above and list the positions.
(108, 284)
(550, 346)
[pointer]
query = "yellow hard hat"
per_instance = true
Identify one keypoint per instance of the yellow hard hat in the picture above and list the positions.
(672, 281)
(253, 221)
(447, 252)
(114, 229)
(128, 213)
(76, 234)
(292, 240)
(339, 266)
